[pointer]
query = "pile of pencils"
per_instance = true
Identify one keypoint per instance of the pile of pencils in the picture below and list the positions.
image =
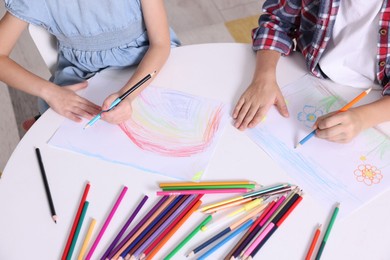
(258, 211)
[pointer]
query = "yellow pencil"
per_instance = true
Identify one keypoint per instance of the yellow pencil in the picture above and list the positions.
(87, 239)
(175, 184)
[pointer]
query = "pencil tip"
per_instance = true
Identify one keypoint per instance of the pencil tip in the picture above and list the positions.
(368, 90)
(297, 145)
(190, 254)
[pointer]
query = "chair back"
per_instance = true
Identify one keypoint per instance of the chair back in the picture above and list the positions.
(46, 44)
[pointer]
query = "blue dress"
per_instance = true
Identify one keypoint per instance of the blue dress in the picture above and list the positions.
(92, 34)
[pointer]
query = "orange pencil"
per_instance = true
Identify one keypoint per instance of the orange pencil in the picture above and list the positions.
(343, 109)
(163, 206)
(173, 231)
(313, 243)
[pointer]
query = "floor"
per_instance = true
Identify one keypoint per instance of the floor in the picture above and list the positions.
(200, 21)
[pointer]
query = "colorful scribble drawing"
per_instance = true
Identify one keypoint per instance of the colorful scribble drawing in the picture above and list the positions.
(170, 133)
(171, 123)
(327, 171)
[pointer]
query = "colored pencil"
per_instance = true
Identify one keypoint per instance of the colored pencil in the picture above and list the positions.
(327, 232)
(153, 227)
(343, 109)
(211, 187)
(106, 223)
(156, 245)
(267, 218)
(140, 224)
(246, 207)
(127, 224)
(219, 183)
(144, 226)
(232, 227)
(46, 184)
(278, 224)
(87, 239)
(77, 232)
(225, 240)
(190, 192)
(227, 205)
(270, 225)
(176, 227)
(248, 195)
(75, 221)
(252, 231)
(189, 237)
(163, 226)
(120, 99)
(313, 243)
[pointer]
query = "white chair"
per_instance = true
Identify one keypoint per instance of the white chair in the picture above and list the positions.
(46, 44)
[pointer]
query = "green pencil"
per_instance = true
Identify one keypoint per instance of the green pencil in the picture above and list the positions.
(77, 232)
(191, 235)
(328, 229)
(210, 187)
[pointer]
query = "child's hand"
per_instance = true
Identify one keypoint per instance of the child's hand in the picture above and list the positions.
(66, 102)
(118, 114)
(339, 127)
(254, 104)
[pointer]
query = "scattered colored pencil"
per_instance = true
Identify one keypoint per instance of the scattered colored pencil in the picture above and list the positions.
(210, 187)
(165, 224)
(172, 231)
(143, 227)
(190, 192)
(46, 184)
(327, 232)
(219, 183)
(124, 228)
(189, 237)
(87, 238)
(161, 237)
(106, 223)
(227, 205)
(77, 232)
(140, 224)
(256, 193)
(226, 239)
(75, 221)
(313, 243)
(343, 109)
(246, 207)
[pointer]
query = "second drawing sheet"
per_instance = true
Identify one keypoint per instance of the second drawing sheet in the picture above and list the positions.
(351, 174)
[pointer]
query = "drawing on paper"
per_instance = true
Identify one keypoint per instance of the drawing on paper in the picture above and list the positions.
(173, 124)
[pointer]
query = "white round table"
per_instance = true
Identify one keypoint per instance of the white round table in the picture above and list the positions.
(218, 71)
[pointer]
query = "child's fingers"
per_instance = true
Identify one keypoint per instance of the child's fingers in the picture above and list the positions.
(238, 107)
(282, 106)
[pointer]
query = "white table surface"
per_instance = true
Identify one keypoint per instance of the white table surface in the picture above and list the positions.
(219, 71)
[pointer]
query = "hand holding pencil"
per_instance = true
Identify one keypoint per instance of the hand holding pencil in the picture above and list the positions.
(337, 126)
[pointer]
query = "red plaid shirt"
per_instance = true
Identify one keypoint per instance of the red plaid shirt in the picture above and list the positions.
(308, 24)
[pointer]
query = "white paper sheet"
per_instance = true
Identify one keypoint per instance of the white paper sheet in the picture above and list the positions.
(351, 174)
(170, 132)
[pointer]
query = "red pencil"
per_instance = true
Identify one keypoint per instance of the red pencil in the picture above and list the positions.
(170, 227)
(75, 222)
(313, 243)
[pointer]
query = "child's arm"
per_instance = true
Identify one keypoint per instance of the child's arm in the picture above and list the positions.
(343, 127)
(261, 94)
(62, 99)
(159, 48)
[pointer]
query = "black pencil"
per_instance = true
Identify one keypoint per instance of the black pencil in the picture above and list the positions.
(46, 184)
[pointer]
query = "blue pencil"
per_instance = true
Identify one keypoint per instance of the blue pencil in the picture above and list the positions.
(226, 239)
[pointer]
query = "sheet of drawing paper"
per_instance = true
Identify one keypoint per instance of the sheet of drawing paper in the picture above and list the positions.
(170, 132)
(351, 174)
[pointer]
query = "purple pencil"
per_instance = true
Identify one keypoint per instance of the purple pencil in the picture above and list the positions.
(127, 224)
(164, 226)
(135, 229)
(106, 223)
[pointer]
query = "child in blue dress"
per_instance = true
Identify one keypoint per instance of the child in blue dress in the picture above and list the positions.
(92, 35)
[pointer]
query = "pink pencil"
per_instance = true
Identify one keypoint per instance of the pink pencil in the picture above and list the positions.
(106, 223)
(191, 192)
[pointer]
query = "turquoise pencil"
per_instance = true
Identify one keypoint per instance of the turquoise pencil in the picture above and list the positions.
(77, 232)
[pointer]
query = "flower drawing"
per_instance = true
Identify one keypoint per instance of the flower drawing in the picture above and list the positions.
(368, 174)
(309, 115)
